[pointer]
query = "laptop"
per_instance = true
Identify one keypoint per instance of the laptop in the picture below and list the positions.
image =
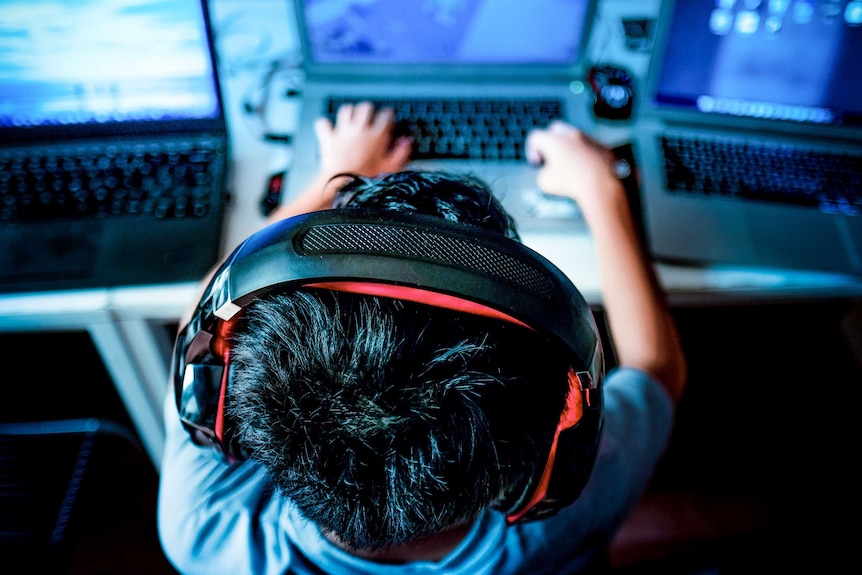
(489, 54)
(754, 73)
(113, 144)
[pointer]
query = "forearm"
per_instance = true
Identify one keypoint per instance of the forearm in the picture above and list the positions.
(318, 195)
(644, 334)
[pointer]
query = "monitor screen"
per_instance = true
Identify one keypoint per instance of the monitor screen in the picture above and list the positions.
(445, 31)
(104, 61)
(771, 59)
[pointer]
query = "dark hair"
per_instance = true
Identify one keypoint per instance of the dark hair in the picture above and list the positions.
(383, 420)
(459, 198)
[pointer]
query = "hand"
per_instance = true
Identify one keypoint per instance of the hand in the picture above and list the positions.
(572, 163)
(361, 142)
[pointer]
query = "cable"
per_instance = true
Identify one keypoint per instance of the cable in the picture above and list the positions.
(255, 103)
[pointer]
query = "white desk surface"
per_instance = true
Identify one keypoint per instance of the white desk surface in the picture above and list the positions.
(128, 324)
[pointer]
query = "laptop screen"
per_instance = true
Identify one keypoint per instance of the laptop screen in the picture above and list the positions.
(104, 64)
(772, 59)
(383, 35)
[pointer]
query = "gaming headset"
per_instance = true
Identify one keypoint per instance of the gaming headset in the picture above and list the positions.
(414, 257)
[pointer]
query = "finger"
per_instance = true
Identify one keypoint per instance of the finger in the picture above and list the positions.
(384, 118)
(363, 113)
(534, 145)
(322, 129)
(345, 112)
(401, 150)
(534, 157)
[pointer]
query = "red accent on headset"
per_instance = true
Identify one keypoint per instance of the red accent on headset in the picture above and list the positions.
(222, 349)
(219, 345)
(419, 295)
(568, 418)
(219, 420)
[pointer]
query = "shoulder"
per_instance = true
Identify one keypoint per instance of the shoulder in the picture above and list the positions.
(207, 509)
(629, 389)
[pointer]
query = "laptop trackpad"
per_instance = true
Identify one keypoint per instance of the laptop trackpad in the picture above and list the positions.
(798, 239)
(851, 230)
(40, 252)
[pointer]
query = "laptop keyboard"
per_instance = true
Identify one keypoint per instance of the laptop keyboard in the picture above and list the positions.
(466, 128)
(831, 182)
(107, 180)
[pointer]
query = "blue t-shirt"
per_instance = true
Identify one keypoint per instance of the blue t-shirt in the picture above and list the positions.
(215, 518)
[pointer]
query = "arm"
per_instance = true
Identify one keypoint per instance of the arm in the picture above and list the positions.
(643, 331)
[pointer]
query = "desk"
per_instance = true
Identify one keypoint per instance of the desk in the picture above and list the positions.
(128, 325)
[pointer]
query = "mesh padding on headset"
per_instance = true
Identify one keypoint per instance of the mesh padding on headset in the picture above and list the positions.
(417, 243)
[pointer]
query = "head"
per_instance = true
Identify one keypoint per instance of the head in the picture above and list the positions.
(386, 420)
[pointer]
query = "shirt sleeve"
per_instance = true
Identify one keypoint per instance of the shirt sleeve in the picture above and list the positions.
(639, 417)
(217, 518)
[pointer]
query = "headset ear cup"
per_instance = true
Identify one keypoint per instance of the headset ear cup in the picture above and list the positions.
(198, 400)
(577, 449)
(231, 447)
(223, 427)
(201, 387)
(517, 506)
(570, 458)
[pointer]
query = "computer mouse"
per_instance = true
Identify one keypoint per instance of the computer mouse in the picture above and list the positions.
(613, 88)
